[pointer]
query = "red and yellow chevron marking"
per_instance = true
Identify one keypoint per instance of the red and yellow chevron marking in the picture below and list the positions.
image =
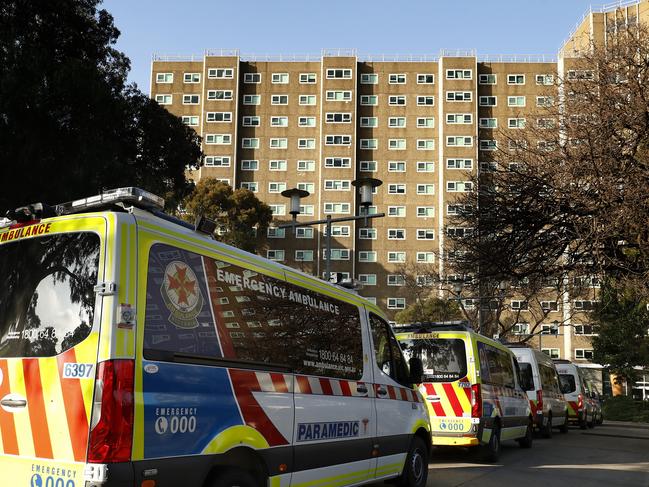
(55, 423)
(448, 399)
(573, 409)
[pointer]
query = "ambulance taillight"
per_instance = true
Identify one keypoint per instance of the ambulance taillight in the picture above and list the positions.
(111, 435)
(539, 402)
(476, 401)
(580, 402)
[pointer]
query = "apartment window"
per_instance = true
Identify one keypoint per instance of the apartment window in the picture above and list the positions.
(459, 74)
(488, 145)
(585, 305)
(338, 162)
(396, 234)
(337, 95)
(369, 79)
(306, 122)
(396, 257)
(304, 232)
(459, 232)
(425, 79)
(487, 101)
(164, 78)
(580, 74)
(338, 254)
(191, 120)
(369, 122)
(342, 208)
(519, 305)
(544, 101)
(459, 186)
(307, 78)
(339, 74)
(220, 73)
(276, 187)
(397, 100)
(307, 100)
(551, 352)
(488, 123)
(459, 141)
(332, 117)
(191, 78)
(163, 99)
(397, 211)
(397, 79)
(456, 209)
(515, 101)
(218, 139)
(367, 233)
(279, 100)
(191, 99)
(396, 144)
(396, 280)
(396, 303)
(278, 210)
(584, 353)
(515, 79)
(425, 257)
(274, 232)
(278, 143)
(367, 279)
(396, 166)
(397, 122)
(459, 164)
(339, 231)
(549, 305)
(516, 123)
(306, 143)
(279, 78)
(219, 117)
(249, 165)
(489, 166)
(425, 166)
(252, 78)
(369, 100)
(459, 118)
(306, 166)
(587, 330)
(425, 100)
(280, 121)
(369, 144)
(425, 212)
(276, 255)
(251, 99)
(277, 165)
(544, 79)
(217, 161)
(338, 140)
(487, 79)
(425, 189)
(303, 255)
(250, 186)
(425, 144)
(310, 187)
(425, 234)
(367, 256)
(425, 122)
(337, 185)
(307, 210)
(459, 96)
(367, 166)
(396, 189)
(545, 123)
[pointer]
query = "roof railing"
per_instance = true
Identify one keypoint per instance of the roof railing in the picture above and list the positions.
(458, 53)
(222, 52)
(339, 52)
(517, 58)
(402, 58)
(176, 58)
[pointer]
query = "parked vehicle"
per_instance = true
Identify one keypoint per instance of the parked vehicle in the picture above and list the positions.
(541, 382)
(472, 387)
(596, 401)
(135, 350)
(580, 408)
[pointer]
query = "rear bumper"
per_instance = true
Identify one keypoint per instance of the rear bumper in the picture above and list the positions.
(455, 441)
(168, 472)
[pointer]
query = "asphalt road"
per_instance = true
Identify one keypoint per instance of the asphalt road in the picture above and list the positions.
(614, 454)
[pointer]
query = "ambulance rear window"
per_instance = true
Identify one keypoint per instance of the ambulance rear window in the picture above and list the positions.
(568, 383)
(444, 359)
(47, 298)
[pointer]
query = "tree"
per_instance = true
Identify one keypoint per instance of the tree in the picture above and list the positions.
(69, 124)
(622, 319)
(430, 309)
(237, 212)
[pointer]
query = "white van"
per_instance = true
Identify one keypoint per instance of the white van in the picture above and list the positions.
(137, 351)
(541, 382)
(573, 386)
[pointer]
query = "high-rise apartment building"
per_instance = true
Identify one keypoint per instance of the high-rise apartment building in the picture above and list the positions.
(421, 124)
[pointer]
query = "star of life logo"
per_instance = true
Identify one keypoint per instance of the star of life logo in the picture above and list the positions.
(182, 295)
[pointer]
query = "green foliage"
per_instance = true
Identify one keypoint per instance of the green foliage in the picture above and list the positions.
(624, 408)
(431, 309)
(69, 124)
(237, 212)
(623, 321)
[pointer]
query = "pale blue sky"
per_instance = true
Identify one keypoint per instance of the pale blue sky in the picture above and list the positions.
(307, 26)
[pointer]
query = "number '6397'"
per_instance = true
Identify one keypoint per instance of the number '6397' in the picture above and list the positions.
(72, 370)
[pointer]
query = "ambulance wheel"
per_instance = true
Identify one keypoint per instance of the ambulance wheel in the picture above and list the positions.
(526, 441)
(564, 427)
(491, 451)
(415, 472)
(234, 477)
(547, 429)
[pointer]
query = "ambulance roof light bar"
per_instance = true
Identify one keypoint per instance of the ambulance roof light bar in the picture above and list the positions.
(126, 196)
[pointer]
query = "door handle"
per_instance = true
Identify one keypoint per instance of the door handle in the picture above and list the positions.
(361, 389)
(381, 391)
(13, 403)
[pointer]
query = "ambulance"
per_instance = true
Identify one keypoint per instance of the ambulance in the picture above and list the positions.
(573, 386)
(472, 386)
(135, 350)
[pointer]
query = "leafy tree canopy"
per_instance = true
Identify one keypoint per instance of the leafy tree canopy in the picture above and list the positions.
(431, 309)
(237, 212)
(69, 124)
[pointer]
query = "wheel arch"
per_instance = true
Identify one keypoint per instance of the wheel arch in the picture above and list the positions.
(244, 458)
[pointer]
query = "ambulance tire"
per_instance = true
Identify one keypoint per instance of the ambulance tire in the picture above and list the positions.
(564, 427)
(546, 432)
(415, 472)
(234, 477)
(526, 441)
(491, 451)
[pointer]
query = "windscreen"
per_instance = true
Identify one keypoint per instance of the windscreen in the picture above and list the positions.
(567, 383)
(444, 359)
(47, 298)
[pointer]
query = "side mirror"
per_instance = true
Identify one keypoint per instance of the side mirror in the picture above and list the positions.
(416, 370)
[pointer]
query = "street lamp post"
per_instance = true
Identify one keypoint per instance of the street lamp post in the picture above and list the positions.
(366, 187)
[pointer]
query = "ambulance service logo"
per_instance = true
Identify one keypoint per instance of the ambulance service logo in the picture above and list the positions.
(182, 295)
